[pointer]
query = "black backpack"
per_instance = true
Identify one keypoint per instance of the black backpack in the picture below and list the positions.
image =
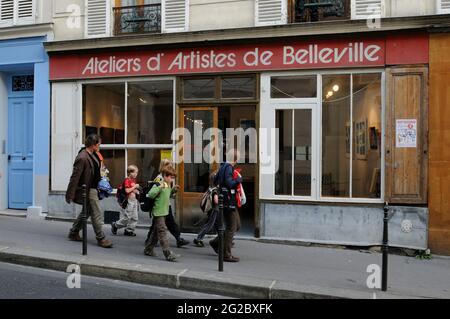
(121, 196)
(229, 195)
(147, 203)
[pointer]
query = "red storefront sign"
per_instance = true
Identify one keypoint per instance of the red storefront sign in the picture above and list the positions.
(265, 57)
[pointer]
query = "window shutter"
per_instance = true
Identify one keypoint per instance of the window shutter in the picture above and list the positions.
(270, 12)
(175, 15)
(25, 11)
(6, 12)
(97, 18)
(364, 9)
(443, 6)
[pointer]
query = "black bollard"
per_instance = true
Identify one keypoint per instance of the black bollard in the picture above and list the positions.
(384, 275)
(221, 232)
(84, 219)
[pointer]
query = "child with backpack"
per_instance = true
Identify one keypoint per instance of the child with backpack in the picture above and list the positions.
(128, 201)
(210, 206)
(161, 193)
(171, 224)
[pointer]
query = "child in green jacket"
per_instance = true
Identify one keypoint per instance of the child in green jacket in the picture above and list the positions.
(161, 194)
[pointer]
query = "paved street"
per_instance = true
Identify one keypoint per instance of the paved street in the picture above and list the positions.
(21, 282)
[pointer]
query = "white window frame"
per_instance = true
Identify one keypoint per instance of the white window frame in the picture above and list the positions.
(268, 110)
(16, 21)
(125, 146)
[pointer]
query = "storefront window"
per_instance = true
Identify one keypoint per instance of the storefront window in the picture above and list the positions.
(283, 178)
(294, 160)
(302, 152)
(104, 110)
(238, 87)
(115, 162)
(366, 163)
(329, 148)
(150, 104)
(199, 89)
(336, 136)
(288, 87)
(135, 122)
(360, 175)
(148, 161)
(196, 170)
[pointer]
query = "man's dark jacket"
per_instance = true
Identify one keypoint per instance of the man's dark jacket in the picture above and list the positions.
(83, 173)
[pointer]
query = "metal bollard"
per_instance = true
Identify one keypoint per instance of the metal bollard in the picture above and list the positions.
(384, 275)
(84, 219)
(221, 232)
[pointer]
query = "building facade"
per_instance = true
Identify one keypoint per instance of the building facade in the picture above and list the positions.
(346, 84)
(24, 104)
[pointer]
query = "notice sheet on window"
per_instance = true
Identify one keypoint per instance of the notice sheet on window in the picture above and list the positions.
(406, 133)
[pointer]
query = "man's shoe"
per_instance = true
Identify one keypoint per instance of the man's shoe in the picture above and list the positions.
(104, 243)
(170, 256)
(75, 237)
(199, 243)
(231, 259)
(129, 233)
(181, 242)
(114, 228)
(214, 246)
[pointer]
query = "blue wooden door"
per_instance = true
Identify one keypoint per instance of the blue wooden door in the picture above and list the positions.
(20, 152)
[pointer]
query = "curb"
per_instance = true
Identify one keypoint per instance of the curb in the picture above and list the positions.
(184, 279)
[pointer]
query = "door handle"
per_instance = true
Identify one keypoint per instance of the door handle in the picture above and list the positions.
(24, 158)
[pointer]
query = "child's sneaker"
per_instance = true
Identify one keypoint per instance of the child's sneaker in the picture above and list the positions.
(199, 243)
(170, 256)
(129, 233)
(114, 228)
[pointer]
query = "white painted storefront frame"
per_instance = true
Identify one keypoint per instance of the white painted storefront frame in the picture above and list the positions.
(267, 118)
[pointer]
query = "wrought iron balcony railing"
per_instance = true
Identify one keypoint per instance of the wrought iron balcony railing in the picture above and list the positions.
(320, 10)
(137, 19)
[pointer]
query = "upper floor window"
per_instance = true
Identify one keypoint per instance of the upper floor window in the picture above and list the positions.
(137, 16)
(316, 10)
(16, 12)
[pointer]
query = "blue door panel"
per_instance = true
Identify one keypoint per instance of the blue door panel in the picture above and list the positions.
(20, 151)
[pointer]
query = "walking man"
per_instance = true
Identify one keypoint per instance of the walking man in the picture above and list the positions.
(86, 171)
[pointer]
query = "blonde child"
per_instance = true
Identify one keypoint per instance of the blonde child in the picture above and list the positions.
(129, 219)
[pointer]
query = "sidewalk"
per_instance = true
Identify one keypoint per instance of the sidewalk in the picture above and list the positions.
(265, 270)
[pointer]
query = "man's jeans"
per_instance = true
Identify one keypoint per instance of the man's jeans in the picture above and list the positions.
(94, 211)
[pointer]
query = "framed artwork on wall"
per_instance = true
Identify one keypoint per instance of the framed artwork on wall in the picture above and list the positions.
(361, 138)
(373, 137)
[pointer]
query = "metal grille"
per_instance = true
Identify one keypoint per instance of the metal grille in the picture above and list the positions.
(321, 10)
(23, 83)
(137, 19)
